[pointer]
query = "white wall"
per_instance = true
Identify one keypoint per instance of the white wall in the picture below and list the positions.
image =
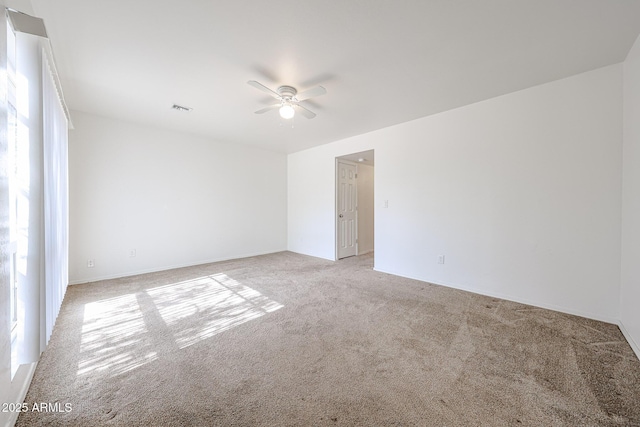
(630, 288)
(176, 199)
(311, 198)
(521, 193)
(365, 209)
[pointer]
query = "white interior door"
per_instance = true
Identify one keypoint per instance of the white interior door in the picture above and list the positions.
(347, 233)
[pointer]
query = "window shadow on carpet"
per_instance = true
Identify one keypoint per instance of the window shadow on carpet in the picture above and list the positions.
(123, 333)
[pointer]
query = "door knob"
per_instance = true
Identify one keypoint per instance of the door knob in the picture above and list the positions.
(340, 215)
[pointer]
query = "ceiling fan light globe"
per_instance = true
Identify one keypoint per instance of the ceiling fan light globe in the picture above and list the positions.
(287, 111)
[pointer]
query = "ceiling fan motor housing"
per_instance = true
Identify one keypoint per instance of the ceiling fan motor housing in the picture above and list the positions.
(287, 92)
(288, 102)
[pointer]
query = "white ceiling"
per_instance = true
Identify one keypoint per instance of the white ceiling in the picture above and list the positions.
(382, 62)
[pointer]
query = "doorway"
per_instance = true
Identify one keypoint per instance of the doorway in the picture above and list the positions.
(354, 204)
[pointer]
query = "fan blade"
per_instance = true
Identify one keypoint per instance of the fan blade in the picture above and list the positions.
(316, 91)
(263, 88)
(304, 111)
(269, 108)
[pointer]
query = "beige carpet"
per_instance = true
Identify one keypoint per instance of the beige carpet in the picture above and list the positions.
(290, 340)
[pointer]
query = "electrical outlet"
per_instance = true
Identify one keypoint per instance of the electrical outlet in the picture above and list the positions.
(440, 259)
(90, 263)
(132, 253)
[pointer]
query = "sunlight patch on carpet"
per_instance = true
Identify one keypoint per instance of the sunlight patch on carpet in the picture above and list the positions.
(114, 337)
(198, 309)
(123, 333)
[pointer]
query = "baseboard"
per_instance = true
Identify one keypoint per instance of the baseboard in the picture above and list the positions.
(168, 267)
(19, 387)
(332, 257)
(634, 345)
(526, 301)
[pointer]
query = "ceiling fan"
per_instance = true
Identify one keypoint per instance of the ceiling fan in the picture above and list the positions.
(289, 99)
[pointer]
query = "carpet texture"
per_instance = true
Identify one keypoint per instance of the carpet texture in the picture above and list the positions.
(291, 340)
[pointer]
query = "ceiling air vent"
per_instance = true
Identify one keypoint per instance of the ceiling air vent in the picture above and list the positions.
(181, 108)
